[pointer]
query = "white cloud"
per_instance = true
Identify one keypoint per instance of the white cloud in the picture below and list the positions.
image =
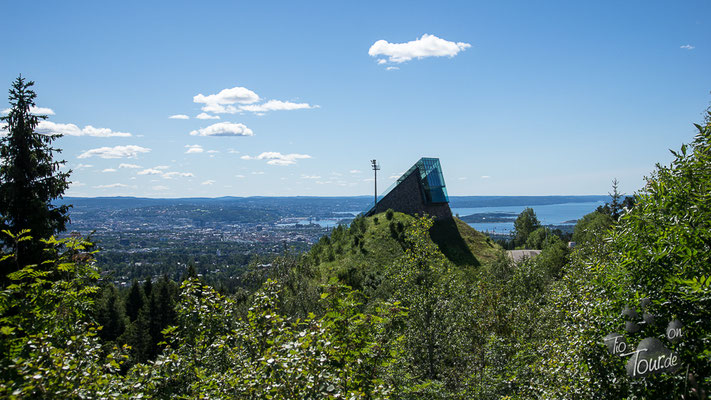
(193, 149)
(278, 158)
(110, 186)
(462, 178)
(208, 182)
(687, 47)
(160, 171)
(223, 129)
(48, 127)
(239, 176)
(150, 171)
(109, 170)
(80, 166)
(41, 111)
(426, 46)
(134, 166)
(130, 151)
(213, 151)
(33, 110)
(77, 184)
(355, 171)
(221, 103)
(310, 177)
(173, 174)
(392, 68)
(179, 116)
(258, 173)
(394, 176)
(232, 151)
(160, 187)
(207, 116)
(485, 177)
(276, 105)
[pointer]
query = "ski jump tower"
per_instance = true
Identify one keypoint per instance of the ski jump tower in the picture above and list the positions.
(420, 190)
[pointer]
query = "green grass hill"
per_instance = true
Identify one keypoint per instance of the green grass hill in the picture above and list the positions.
(361, 254)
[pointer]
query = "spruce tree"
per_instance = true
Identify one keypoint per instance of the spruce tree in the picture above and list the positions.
(111, 315)
(615, 203)
(134, 300)
(30, 179)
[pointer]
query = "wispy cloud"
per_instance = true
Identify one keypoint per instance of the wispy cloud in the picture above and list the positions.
(223, 129)
(194, 149)
(161, 171)
(83, 166)
(207, 182)
(485, 177)
(109, 170)
(276, 105)
(310, 177)
(426, 46)
(207, 116)
(275, 158)
(48, 127)
(111, 186)
(179, 116)
(174, 174)
(355, 171)
(134, 166)
(150, 171)
(130, 151)
(687, 47)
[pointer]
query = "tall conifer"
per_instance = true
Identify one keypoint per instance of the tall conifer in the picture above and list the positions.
(30, 178)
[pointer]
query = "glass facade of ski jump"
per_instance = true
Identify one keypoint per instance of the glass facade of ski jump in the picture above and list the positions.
(434, 191)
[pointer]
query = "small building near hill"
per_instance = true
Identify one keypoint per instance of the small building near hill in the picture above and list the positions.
(519, 255)
(420, 190)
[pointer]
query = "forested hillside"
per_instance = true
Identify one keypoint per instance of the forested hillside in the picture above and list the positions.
(393, 306)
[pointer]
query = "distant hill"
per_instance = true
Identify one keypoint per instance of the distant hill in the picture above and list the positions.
(355, 203)
(502, 201)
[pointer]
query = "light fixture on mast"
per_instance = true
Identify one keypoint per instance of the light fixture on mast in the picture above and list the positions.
(376, 168)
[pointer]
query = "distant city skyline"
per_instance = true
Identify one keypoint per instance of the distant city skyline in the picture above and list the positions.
(171, 99)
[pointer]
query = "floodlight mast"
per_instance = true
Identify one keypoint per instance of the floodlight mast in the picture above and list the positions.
(376, 168)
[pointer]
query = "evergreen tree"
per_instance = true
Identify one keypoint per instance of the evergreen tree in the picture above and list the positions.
(147, 288)
(616, 201)
(110, 314)
(138, 336)
(162, 311)
(134, 301)
(30, 179)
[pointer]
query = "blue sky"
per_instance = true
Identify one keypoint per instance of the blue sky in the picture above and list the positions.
(515, 98)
